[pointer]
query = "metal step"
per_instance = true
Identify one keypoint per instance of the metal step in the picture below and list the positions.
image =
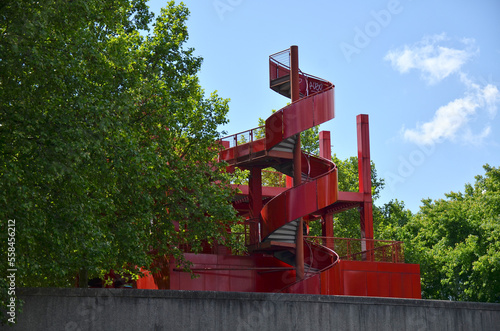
(286, 145)
(286, 233)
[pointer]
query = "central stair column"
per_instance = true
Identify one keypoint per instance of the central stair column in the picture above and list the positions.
(297, 166)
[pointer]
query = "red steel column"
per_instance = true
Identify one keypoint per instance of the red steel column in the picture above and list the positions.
(297, 166)
(365, 182)
(295, 95)
(255, 201)
(325, 151)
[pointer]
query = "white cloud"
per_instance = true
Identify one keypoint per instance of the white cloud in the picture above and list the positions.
(476, 139)
(435, 62)
(452, 119)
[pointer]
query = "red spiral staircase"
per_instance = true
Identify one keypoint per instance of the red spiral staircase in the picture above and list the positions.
(281, 257)
(315, 178)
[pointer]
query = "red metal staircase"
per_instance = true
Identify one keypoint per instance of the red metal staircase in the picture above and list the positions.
(281, 258)
(280, 218)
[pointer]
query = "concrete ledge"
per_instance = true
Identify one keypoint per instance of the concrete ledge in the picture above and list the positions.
(128, 309)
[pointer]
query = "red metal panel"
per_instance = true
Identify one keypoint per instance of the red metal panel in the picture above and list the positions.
(330, 280)
(324, 109)
(301, 201)
(220, 280)
(302, 85)
(384, 284)
(315, 166)
(201, 258)
(242, 281)
(272, 281)
(316, 85)
(227, 154)
(243, 150)
(297, 117)
(258, 145)
(372, 288)
(309, 286)
(274, 129)
(327, 190)
(396, 285)
(407, 286)
(396, 267)
(274, 214)
(354, 283)
(350, 196)
(273, 70)
(174, 280)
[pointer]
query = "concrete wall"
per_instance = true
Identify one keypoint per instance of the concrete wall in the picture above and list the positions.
(126, 309)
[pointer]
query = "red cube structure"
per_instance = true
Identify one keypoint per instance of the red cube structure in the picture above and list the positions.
(281, 256)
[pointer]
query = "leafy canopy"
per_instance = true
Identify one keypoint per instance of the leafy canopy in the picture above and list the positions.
(456, 241)
(106, 140)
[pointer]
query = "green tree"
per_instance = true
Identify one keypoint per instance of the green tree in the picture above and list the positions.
(389, 218)
(346, 224)
(456, 242)
(106, 140)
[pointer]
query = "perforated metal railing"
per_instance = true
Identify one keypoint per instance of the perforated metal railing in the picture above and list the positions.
(356, 249)
(279, 66)
(244, 137)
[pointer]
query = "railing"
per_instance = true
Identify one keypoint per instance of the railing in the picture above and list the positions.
(247, 231)
(244, 137)
(280, 66)
(363, 249)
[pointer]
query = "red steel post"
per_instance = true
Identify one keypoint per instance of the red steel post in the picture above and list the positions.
(255, 201)
(297, 166)
(325, 151)
(295, 95)
(365, 182)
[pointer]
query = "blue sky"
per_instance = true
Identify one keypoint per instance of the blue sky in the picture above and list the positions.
(426, 72)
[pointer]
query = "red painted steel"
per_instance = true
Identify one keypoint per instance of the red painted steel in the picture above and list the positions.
(297, 161)
(368, 267)
(365, 183)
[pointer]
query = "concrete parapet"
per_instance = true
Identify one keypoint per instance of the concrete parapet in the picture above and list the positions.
(128, 309)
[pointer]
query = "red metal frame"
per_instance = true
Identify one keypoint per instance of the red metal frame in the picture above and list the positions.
(280, 257)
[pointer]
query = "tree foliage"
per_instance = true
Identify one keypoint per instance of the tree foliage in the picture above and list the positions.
(456, 241)
(346, 224)
(106, 139)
